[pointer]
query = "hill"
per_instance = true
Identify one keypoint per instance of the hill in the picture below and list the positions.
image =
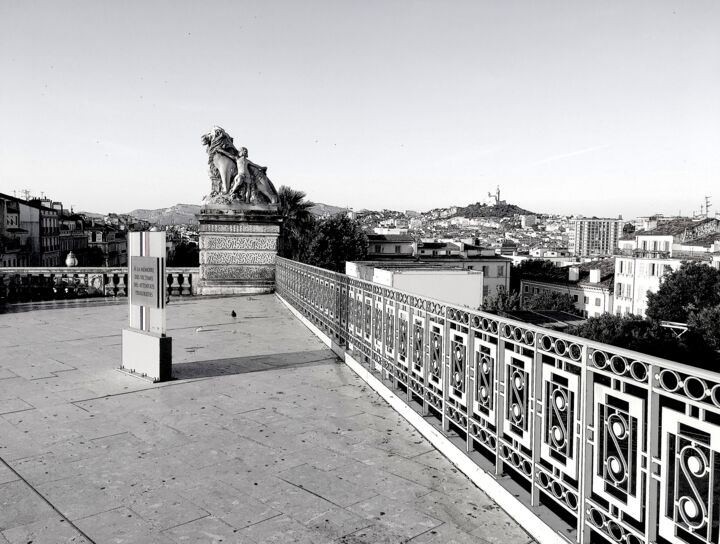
(497, 210)
(325, 210)
(174, 215)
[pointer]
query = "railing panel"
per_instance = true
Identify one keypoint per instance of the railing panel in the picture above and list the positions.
(619, 446)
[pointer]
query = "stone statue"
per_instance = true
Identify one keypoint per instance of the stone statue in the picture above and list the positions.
(234, 178)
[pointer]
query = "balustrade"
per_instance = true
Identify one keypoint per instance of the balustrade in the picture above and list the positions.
(37, 284)
(605, 443)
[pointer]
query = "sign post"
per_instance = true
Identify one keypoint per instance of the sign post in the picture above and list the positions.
(146, 349)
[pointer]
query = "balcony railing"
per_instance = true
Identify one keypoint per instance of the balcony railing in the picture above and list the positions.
(602, 443)
(39, 283)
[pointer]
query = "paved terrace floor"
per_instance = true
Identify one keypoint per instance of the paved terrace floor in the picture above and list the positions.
(264, 437)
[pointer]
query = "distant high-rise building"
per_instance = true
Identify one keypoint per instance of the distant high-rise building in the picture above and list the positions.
(594, 237)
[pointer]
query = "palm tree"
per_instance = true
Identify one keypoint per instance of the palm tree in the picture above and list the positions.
(297, 222)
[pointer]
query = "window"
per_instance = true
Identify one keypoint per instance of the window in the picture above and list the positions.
(500, 271)
(586, 300)
(536, 290)
(526, 289)
(397, 249)
(598, 301)
(377, 248)
(486, 290)
(575, 298)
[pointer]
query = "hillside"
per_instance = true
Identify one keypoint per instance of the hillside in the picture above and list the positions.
(174, 215)
(185, 213)
(324, 210)
(483, 210)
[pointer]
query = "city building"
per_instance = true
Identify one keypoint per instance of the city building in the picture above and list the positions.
(495, 270)
(594, 237)
(110, 241)
(635, 276)
(383, 246)
(49, 231)
(73, 237)
(589, 284)
(454, 285)
(528, 221)
(19, 233)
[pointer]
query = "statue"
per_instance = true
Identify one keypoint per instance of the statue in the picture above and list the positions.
(234, 178)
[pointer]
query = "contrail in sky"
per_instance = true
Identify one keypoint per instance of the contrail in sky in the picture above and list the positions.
(571, 154)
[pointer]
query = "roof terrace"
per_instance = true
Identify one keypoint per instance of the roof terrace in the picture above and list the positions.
(262, 437)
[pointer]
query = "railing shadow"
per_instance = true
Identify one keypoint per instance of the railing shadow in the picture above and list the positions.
(256, 363)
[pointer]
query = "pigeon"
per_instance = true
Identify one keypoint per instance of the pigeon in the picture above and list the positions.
(233, 314)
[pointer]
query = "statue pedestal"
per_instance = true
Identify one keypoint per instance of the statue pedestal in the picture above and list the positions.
(238, 245)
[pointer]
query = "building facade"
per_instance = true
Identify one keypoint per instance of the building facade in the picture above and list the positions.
(382, 246)
(635, 277)
(594, 237)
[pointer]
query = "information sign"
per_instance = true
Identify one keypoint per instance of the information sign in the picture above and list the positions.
(145, 281)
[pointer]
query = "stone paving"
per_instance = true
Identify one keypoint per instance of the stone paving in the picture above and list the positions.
(264, 437)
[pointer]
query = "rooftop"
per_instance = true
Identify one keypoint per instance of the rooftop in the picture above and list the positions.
(390, 238)
(263, 437)
(561, 274)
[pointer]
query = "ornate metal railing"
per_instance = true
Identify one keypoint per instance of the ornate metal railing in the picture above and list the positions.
(38, 283)
(602, 443)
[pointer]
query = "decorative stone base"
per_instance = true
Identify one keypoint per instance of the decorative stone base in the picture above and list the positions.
(238, 245)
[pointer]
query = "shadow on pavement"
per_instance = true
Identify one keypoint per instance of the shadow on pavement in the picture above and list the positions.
(256, 363)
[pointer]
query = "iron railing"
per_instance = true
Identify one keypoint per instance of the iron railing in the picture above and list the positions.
(602, 443)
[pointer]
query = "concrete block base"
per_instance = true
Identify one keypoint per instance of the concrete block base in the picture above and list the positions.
(146, 355)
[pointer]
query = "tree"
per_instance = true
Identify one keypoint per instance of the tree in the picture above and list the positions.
(638, 334)
(552, 301)
(706, 323)
(92, 256)
(297, 224)
(186, 254)
(502, 301)
(694, 286)
(336, 240)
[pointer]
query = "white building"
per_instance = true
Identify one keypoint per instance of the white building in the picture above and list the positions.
(483, 275)
(527, 221)
(634, 277)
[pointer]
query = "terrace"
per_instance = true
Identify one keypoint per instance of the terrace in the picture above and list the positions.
(264, 436)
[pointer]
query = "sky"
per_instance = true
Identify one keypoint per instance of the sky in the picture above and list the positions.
(574, 107)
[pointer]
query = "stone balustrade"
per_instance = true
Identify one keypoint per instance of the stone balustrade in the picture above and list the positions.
(41, 283)
(599, 443)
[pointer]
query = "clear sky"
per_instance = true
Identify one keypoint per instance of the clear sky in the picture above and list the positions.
(594, 107)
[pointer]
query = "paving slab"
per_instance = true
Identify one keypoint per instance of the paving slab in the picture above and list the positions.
(263, 437)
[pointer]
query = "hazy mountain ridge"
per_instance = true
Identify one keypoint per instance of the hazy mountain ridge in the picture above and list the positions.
(321, 210)
(178, 214)
(186, 214)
